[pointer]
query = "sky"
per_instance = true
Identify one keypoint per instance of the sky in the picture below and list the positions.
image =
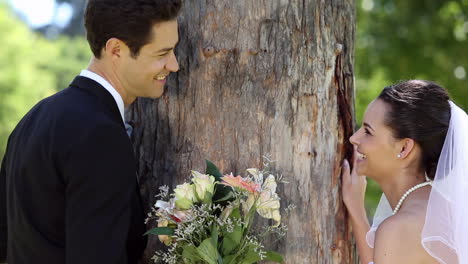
(39, 13)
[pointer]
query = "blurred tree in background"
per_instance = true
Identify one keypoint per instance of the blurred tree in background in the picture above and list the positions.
(74, 27)
(400, 39)
(396, 40)
(32, 67)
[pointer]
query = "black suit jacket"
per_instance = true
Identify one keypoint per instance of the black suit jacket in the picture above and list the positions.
(68, 186)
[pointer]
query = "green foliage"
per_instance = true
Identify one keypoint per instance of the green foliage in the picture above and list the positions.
(208, 252)
(190, 255)
(212, 170)
(251, 256)
(274, 256)
(233, 239)
(399, 40)
(222, 193)
(161, 231)
(31, 68)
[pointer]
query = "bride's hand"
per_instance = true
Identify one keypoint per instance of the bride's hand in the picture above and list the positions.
(354, 188)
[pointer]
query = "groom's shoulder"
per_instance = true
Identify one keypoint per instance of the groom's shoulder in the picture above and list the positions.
(71, 103)
(74, 100)
(70, 111)
(68, 99)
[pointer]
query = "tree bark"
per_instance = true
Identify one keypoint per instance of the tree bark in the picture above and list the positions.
(260, 77)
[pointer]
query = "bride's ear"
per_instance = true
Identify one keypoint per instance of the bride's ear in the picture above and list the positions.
(406, 146)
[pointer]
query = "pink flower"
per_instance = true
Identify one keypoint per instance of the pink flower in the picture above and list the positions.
(170, 209)
(181, 216)
(241, 183)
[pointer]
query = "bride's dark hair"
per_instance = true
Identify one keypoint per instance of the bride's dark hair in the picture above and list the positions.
(419, 110)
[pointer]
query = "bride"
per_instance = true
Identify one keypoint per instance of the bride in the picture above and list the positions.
(414, 144)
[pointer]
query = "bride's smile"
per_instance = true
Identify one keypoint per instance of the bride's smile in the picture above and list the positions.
(376, 148)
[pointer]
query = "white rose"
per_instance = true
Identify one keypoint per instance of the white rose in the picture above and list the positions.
(204, 186)
(185, 196)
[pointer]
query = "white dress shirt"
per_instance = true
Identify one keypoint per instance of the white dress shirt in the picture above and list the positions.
(118, 99)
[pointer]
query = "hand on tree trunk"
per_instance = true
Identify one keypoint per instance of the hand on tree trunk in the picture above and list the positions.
(354, 189)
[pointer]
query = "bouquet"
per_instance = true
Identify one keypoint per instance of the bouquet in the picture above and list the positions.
(209, 220)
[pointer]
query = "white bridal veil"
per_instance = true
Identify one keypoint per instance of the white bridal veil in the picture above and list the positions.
(445, 232)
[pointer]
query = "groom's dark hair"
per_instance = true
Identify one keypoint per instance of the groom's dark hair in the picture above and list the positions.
(128, 20)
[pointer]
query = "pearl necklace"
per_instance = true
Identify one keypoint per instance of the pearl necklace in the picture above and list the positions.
(414, 188)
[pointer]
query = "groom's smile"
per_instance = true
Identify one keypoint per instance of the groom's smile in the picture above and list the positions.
(145, 74)
(161, 78)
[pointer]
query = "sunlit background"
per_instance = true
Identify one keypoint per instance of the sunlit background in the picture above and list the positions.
(41, 13)
(42, 47)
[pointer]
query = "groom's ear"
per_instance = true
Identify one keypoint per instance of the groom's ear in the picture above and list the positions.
(114, 48)
(407, 146)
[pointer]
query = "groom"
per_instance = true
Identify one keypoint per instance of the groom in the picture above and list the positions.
(68, 186)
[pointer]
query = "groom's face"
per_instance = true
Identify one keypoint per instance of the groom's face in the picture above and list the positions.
(146, 74)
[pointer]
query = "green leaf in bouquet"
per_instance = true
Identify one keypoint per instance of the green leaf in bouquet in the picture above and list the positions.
(214, 235)
(274, 256)
(235, 213)
(222, 193)
(160, 231)
(208, 251)
(251, 257)
(212, 170)
(229, 259)
(232, 240)
(190, 253)
(229, 196)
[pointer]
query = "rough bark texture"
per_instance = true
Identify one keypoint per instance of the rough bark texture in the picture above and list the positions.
(260, 77)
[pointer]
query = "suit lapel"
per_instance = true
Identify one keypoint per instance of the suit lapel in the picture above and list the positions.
(104, 96)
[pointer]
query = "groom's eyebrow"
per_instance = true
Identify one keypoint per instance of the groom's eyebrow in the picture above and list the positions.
(164, 50)
(369, 126)
(167, 49)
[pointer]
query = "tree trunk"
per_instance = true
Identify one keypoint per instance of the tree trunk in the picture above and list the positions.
(260, 77)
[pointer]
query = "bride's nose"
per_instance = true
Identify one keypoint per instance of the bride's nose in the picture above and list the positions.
(353, 139)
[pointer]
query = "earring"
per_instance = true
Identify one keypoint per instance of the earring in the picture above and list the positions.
(399, 156)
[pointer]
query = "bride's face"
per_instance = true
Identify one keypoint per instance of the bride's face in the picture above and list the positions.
(374, 143)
